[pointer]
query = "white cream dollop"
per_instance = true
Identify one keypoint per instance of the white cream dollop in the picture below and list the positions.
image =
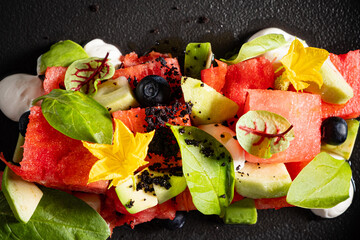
(277, 54)
(98, 48)
(17, 92)
(338, 209)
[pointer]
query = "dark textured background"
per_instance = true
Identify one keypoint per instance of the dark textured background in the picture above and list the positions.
(28, 28)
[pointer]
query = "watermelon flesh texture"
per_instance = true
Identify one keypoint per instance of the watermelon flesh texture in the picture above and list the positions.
(54, 78)
(302, 110)
(256, 73)
(55, 160)
(215, 76)
(132, 59)
(349, 66)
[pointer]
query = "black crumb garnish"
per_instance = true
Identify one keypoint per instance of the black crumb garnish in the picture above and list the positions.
(94, 7)
(155, 31)
(130, 204)
(203, 19)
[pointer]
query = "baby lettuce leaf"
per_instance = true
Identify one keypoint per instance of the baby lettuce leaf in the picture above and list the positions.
(84, 75)
(323, 183)
(256, 47)
(77, 115)
(62, 53)
(208, 169)
(59, 215)
(263, 133)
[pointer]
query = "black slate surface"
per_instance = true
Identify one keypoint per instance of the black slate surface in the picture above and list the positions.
(28, 28)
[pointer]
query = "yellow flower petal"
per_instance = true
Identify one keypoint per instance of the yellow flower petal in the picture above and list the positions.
(121, 159)
(302, 65)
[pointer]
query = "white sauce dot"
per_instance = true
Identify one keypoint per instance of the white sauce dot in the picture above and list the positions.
(98, 48)
(17, 92)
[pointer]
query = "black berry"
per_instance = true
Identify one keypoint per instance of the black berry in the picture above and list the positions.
(334, 131)
(153, 90)
(23, 122)
(177, 222)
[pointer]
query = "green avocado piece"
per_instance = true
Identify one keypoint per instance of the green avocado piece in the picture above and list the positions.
(344, 150)
(23, 197)
(116, 94)
(172, 185)
(198, 56)
(241, 212)
(261, 180)
(209, 106)
(62, 53)
(335, 89)
(136, 200)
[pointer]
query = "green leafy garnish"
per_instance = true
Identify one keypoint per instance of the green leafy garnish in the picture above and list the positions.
(59, 215)
(84, 75)
(208, 169)
(323, 183)
(263, 133)
(77, 115)
(256, 47)
(62, 53)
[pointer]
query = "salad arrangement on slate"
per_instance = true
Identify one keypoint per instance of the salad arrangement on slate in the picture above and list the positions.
(107, 146)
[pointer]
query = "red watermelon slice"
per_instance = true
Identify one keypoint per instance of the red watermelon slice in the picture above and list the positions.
(349, 66)
(132, 58)
(54, 78)
(302, 110)
(215, 76)
(55, 160)
(256, 73)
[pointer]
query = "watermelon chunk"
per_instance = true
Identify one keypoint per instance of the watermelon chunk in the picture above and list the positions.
(168, 68)
(256, 73)
(132, 58)
(55, 160)
(54, 78)
(215, 76)
(302, 110)
(349, 66)
(271, 203)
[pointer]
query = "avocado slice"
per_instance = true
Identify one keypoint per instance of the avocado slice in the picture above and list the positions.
(198, 56)
(261, 180)
(209, 106)
(135, 194)
(167, 185)
(116, 94)
(23, 197)
(241, 212)
(335, 89)
(344, 150)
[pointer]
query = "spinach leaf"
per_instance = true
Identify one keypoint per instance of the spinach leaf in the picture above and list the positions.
(59, 215)
(62, 53)
(77, 116)
(323, 183)
(263, 133)
(84, 75)
(208, 169)
(256, 47)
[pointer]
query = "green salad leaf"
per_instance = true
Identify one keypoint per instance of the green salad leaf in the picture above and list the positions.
(62, 53)
(256, 47)
(84, 75)
(323, 183)
(263, 133)
(77, 115)
(59, 215)
(208, 169)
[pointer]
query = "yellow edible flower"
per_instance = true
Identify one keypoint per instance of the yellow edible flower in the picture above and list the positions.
(302, 65)
(121, 159)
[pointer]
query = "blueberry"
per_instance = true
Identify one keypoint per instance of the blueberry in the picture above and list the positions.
(153, 90)
(23, 122)
(177, 222)
(334, 131)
